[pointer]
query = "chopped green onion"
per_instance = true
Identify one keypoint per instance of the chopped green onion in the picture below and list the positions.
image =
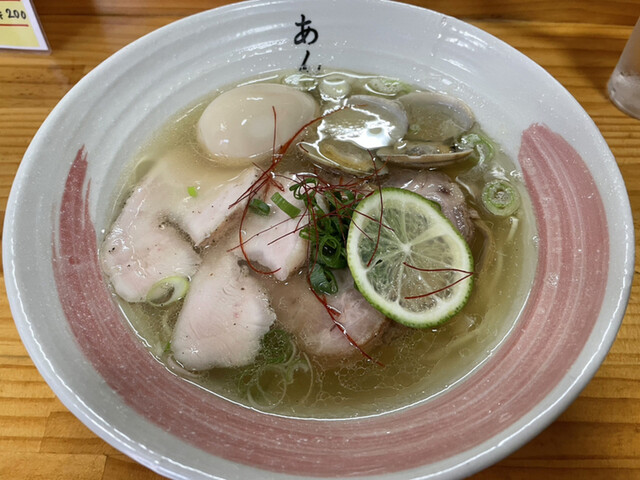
(331, 252)
(277, 346)
(387, 86)
(193, 191)
(322, 280)
(299, 190)
(483, 147)
(500, 198)
(305, 233)
(327, 228)
(168, 290)
(259, 207)
(284, 205)
(301, 81)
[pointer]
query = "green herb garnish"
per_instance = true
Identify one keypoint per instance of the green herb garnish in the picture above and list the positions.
(330, 208)
(259, 207)
(168, 290)
(483, 148)
(500, 198)
(284, 205)
(277, 346)
(322, 280)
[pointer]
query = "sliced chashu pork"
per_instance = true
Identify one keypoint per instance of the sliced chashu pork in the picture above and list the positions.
(302, 314)
(274, 241)
(206, 216)
(198, 199)
(145, 244)
(142, 249)
(224, 316)
(439, 188)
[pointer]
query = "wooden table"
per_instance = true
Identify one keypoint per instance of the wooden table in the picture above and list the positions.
(578, 42)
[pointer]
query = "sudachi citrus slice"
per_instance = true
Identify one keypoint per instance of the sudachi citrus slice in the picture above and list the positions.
(407, 259)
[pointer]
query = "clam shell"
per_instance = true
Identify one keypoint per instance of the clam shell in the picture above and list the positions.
(342, 157)
(422, 154)
(436, 116)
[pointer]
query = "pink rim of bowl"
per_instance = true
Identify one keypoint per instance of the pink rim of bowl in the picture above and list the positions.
(76, 337)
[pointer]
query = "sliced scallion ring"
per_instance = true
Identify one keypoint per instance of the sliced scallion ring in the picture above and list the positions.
(482, 146)
(277, 346)
(284, 205)
(259, 207)
(323, 280)
(168, 290)
(500, 198)
(331, 252)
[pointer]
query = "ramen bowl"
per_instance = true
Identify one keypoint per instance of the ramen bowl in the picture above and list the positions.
(61, 200)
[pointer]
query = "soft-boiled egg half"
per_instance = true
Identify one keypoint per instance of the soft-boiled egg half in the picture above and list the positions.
(237, 128)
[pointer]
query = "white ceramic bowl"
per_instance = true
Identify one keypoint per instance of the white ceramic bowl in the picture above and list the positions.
(61, 198)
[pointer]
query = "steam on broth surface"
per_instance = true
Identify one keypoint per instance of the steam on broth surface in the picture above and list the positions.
(395, 365)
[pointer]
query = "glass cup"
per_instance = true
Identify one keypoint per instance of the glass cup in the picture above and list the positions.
(624, 84)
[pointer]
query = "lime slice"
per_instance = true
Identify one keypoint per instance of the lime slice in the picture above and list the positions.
(420, 273)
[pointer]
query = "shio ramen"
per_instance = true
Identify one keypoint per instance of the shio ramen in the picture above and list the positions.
(332, 245)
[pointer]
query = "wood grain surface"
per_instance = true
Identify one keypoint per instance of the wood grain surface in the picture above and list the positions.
(578, 42)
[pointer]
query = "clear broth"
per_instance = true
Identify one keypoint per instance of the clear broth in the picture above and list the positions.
(417, 364)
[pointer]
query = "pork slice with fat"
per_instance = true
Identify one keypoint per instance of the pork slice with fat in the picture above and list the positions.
(150, 239)
(274, 241)
(142, 249)
(224, 317)
(439, 188)
(302, 314)
(205, 216)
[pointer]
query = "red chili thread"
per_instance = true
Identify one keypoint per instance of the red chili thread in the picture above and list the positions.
(252, 192)
(331, 311)
(467, 274)
(267, 177)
